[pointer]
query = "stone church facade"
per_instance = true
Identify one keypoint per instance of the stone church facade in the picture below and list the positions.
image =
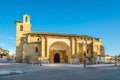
(54, 47)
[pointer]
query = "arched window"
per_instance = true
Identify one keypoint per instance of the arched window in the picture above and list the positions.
(97, 47)
(36, 50)
(26, 19)
(87, 50)
(38, 39)
(21, 28)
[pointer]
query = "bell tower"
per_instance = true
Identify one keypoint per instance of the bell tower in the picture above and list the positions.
(22, 27)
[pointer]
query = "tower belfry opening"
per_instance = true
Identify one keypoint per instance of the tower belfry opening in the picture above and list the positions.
(26, 18)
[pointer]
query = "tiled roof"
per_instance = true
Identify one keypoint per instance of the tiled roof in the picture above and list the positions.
(59, 34)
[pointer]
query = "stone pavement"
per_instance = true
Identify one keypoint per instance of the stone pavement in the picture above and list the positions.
(14, 69)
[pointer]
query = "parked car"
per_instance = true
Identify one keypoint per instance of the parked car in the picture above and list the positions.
(3, 60)
(109, 63)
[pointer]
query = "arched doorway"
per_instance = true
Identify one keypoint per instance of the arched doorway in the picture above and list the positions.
(59, 53)
(56, 58)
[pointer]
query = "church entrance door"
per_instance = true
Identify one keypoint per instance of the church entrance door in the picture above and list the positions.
(56, 58)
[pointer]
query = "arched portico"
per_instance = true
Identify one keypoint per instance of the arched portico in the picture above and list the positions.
(59, 52)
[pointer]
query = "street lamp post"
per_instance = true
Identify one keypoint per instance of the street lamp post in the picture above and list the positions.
(40, 60)
(115, 61)
(85, 60)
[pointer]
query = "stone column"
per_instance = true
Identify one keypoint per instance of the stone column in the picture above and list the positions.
(73, 46)
(77, 46)
(74, 59)
(43, 47)
(46, 47)
(48, 52)
(44, 51)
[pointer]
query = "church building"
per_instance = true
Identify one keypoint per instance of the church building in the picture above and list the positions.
(55, 47)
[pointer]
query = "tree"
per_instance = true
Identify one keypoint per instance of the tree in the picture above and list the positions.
(119, 55)
(3, 54)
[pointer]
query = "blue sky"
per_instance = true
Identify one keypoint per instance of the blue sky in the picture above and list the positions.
(99, 18)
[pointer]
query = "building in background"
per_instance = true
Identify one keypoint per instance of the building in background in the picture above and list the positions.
(55, 47)
(101, 59)
(112, 59)
(13, 56)
(4, 53)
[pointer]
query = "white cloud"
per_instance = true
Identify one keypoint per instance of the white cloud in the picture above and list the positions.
(7, 37)
(8, 47)
(12, 38)
(3, 45)
(12, 50)
(8, 43)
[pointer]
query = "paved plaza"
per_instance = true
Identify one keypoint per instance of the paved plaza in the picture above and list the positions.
(59, 72)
